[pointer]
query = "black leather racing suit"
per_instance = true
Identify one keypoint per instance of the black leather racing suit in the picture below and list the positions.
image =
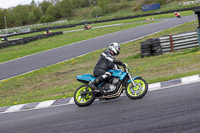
(105, 63)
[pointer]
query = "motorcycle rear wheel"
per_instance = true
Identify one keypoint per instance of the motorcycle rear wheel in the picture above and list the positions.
(82, 99)
(137, 91)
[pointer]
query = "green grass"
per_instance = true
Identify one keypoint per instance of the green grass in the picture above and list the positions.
(59, 80)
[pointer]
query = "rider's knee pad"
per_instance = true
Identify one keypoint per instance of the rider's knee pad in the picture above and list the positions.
(107, 75)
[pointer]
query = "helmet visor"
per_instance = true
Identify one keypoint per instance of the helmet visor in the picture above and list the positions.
(118, 49)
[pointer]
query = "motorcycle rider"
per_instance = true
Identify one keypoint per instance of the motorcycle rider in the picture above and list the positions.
(106, 62)
(177, 14)
(87, 26)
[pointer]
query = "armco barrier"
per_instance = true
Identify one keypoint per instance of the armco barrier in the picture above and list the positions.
(169, 43)
(28, 39)
(179, 41)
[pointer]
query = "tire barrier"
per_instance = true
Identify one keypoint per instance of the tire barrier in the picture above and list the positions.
(26, 40)
(145, 48)
(16, 34)
(151, 47)
(169, 43)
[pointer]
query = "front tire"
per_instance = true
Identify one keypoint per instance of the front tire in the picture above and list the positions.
(82, 99)
(137, 91)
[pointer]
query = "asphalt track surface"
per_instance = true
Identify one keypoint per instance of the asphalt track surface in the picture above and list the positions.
(33, 62)
(171, 110)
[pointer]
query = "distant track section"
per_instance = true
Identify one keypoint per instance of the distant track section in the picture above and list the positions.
(33, 62)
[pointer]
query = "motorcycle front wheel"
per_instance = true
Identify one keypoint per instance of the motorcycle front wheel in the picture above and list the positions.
(82, 97)
(138, 91)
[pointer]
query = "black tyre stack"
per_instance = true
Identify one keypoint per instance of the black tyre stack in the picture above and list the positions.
(145, 48)
(156, 47)
(26, 40)
(151, 47)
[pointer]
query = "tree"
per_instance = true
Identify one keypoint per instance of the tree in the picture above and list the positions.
(33, 4)
(50, 13)
(57, 8)
(37, 13)
(85, 3)
(50, 10)
(21, 14)
(102, 4)
(76, 3)
(96, 12)
(66, 8)
(31, 18)
(44, 6)
(1, 19)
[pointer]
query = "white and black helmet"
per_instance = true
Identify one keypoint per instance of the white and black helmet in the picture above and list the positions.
(115, 47)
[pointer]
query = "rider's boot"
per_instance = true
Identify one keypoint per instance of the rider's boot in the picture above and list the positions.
(95, 83)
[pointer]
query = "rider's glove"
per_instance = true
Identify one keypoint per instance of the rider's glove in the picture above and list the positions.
(124, 65)
(118, 62)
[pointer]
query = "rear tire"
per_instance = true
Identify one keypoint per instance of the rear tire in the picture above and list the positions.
(138, 91)
(83, 99)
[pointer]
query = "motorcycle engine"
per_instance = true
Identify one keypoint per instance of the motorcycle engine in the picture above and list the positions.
(111, 85)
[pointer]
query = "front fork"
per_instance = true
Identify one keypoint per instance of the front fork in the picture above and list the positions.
(131, 80)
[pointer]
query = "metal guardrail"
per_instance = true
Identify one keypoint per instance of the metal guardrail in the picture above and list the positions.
(179, 41)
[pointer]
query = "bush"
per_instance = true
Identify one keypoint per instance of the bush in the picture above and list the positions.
(159, 1)
(47, 18)
(81, 13)
(124, 5)
(96, 11)
(109, 8)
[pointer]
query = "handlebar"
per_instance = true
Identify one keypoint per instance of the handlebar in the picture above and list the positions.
(125, 66)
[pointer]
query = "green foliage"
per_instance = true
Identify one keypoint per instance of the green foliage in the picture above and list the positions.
(47, 18)
(31, 18)
(76, 3)
(66, 8)
(84, 3)
(159, 1)
(44, 6)
(51, 13)
(9, 18)
(37, 13)
(109, 8)
(21, 14)
(96, 12)
(102, 4)
(33, 4)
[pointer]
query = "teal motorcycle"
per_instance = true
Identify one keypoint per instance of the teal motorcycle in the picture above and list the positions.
(121, 80)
